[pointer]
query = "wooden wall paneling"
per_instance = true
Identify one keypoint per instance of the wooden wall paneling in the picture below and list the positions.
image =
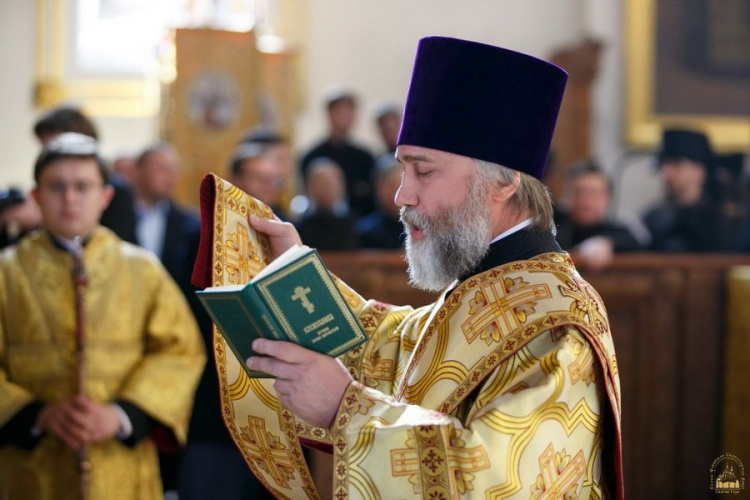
(379, 275)
(662, 337)
(629, 313)
(645, 306)
(700, 386)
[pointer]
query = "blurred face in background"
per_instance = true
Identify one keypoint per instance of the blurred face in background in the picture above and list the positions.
(281, 154)
(157, 175)
(589, 199)
(683, 179)
(341, 115)
(325, 185)
(389, 125)
(260, 177)
(386, 188)
(126, 167)
(72, 195)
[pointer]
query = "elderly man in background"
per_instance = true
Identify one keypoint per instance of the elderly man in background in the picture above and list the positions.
(584, 229)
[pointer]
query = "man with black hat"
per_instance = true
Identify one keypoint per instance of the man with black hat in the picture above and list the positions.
(507, 385)
(689, 219)
(141, 352)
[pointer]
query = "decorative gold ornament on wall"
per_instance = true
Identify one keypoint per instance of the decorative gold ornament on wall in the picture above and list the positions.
(688, 65)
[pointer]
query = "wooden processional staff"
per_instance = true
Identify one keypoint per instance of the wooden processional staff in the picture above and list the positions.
(80, 281)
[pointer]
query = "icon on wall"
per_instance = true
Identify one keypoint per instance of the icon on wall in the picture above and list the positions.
(213, 100)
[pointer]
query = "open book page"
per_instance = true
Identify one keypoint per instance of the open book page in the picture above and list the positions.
(224, 288)
(290, 255)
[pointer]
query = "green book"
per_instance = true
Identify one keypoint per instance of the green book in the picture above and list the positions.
(292, 299)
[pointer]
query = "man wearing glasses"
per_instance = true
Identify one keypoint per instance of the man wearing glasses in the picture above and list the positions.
(142, 354)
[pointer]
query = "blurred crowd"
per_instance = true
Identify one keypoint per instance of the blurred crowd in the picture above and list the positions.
(346, 202)
(340, 194)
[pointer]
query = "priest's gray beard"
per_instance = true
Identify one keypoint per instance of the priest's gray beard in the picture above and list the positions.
(454, 239)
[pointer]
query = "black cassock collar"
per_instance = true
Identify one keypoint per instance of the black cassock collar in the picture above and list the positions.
(521, 245)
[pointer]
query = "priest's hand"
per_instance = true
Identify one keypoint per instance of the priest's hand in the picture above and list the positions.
(282, 235)
(310, 384)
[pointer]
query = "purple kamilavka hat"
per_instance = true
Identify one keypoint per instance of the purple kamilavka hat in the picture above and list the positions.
(484, 102)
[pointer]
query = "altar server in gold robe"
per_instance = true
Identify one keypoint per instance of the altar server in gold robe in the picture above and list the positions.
(142, 351)
(507, 385)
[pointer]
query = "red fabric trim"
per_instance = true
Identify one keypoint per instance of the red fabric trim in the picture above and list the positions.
(203, 267)
(165, 440)
(316, 445)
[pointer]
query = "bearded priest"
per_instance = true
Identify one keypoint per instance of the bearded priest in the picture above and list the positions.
(507, 385)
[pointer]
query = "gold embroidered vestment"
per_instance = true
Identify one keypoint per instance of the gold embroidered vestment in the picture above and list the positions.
(142, 346)
(499, 389)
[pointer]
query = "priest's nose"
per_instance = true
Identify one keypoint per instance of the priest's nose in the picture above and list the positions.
(406, 196)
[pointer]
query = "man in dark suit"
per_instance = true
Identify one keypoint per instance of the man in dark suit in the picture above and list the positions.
(584, 226)
(327, 224)
(210, 466)
(171, 233)
(254, 169)
(382, 228)
(356, 162)
(163, 227)
(388, 122)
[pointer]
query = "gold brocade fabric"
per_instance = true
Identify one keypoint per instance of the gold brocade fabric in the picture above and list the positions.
(500, 389)
(142, 345)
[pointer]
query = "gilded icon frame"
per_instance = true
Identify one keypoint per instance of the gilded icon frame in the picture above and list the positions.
(643, 124)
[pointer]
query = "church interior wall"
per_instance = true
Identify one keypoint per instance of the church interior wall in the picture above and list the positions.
(368, 49)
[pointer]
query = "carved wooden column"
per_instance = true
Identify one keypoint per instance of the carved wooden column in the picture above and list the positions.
(572, 139)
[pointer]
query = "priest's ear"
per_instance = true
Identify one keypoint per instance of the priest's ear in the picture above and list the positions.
(503, 192)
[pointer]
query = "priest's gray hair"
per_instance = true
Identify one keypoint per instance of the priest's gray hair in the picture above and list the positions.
(531, 195)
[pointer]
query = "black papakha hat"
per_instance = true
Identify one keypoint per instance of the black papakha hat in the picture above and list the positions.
(686, 144)
(483, 102)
